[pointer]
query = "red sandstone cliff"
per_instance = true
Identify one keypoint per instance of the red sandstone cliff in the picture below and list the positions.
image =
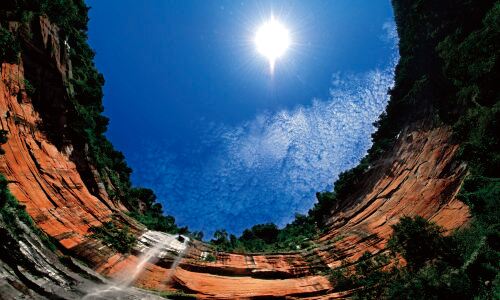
(418, 177)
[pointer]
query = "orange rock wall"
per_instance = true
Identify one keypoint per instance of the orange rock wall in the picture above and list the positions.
(41, 177)
(45, 180)
(418, 177)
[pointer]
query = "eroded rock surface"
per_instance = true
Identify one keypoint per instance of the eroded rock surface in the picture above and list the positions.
(30, 270)
(419, 177)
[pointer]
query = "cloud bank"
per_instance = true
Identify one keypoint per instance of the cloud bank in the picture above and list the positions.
(269, 168)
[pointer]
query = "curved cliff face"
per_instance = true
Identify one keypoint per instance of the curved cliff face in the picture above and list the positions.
(43, 177)
(419, 176)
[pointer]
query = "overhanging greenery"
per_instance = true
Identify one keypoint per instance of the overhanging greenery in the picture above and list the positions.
(86, 124)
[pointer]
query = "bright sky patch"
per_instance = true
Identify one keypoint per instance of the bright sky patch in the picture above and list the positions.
(272, 40)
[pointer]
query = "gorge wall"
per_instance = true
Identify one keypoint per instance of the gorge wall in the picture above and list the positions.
(419, 175)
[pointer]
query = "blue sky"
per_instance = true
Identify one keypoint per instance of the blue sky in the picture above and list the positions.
(202, 122)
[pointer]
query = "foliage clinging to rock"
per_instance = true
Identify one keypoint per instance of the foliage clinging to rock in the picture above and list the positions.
(448, 70)
(9, 47)
(268, 237)
(118, 238)
(86, 124)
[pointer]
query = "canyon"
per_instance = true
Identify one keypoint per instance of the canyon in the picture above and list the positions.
(420, 175)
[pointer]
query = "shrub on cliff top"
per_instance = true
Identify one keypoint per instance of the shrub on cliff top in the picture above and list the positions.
(268, 237)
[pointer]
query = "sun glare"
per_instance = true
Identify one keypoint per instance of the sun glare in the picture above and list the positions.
(272, 40)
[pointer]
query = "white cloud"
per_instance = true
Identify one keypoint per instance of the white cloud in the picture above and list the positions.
(270, 167)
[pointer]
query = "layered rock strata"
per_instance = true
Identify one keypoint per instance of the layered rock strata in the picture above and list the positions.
(418, 177)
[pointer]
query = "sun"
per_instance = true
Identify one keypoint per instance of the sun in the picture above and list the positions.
(272, 40)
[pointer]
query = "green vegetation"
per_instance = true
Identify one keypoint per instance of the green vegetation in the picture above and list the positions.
(268, 238)
(437, 266)
(86, 124)
(12, 212)
(362, 276)
(449, 69)
(3, 140)
(342, 187)
(156, 221)
(419, 241)
(150, 213)
(448, 73)
(29, 88)
(210, 258)
(177, 295)
(117, 238)
(9, 46)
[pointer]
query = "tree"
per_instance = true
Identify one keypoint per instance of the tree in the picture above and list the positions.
(418, 241)
(267, 232)
(220, 237)
(197, 235)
